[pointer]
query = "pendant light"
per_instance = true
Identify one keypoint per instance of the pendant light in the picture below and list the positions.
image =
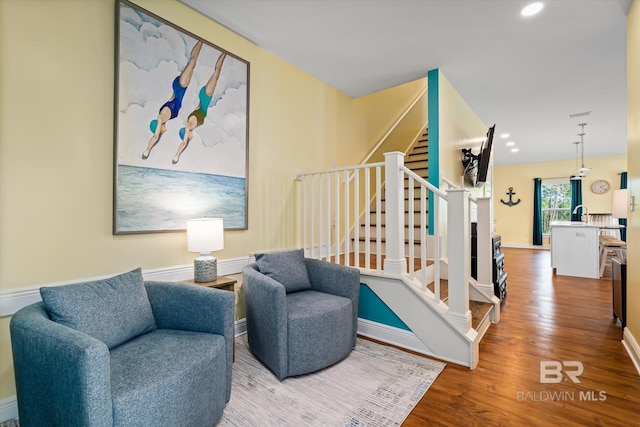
(581, 170)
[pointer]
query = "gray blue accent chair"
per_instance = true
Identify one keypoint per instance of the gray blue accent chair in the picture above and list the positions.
(124, 352)
(302, 313)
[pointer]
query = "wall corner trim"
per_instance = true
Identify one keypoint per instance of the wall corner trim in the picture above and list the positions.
(633, 348)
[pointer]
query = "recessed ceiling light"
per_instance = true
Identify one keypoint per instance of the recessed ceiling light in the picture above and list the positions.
(510, 144)
(515, 150)
(531, 9)
(504, 135)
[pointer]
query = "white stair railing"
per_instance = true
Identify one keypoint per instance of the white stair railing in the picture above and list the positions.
(330, 212)
(334, 200)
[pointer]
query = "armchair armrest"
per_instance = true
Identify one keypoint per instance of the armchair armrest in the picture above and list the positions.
(266, 306)
(333, 278)
(191, 308)
(337, 280)
(194, 308)
(62, 375)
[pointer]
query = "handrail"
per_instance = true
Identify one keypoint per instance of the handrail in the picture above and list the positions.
(299, 174)
(395, 124)
(449, 183)
(424, 182)
(453, 186)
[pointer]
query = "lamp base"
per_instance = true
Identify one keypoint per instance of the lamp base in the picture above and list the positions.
(205, 268)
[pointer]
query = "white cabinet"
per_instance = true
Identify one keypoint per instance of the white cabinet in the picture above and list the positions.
(575, 249)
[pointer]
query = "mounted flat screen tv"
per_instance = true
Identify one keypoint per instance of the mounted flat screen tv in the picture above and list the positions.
(483, 158)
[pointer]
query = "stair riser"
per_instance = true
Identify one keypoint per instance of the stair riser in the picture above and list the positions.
(414, 165)
(383, 219)
(372, 231)
(416, 249)
(420, 147)
(417, 157)
(415, 204)
(416, 186)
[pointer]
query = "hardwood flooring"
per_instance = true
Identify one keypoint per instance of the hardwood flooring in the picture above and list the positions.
(544, 318)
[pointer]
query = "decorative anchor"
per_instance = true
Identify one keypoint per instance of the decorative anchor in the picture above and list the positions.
(510, 202)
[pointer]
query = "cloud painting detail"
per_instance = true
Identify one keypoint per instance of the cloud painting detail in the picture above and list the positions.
(182, 107)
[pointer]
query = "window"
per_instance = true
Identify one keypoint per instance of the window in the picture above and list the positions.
(556, 202)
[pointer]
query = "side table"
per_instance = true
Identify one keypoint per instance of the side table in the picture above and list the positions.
(224, 283)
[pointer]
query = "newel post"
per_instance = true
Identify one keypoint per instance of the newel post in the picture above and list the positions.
(484, 249)
(459, 248)
(394, 263)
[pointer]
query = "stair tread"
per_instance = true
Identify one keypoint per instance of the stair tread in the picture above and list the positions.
(384, 225)
(383, 240)
(415, 211)
(406, 199)
(479, 310)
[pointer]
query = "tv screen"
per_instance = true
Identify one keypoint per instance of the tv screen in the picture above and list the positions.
(484, 157)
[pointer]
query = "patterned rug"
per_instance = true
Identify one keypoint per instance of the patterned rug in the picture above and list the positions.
(375, 385)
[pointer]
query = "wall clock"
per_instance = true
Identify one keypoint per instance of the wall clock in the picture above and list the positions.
(600, 186)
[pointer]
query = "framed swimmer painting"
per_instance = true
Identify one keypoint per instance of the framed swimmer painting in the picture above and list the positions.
(181, 127)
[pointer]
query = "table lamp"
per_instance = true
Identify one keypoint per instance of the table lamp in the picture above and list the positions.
(205, 235)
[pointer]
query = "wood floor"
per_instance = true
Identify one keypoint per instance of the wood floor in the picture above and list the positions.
(544, 317)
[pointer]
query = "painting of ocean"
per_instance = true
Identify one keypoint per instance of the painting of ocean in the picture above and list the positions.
(150, 199)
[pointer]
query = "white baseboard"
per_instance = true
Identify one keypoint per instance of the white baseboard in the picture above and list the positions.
(12, 301)
(240, 328)
(8, 409)
(392, 335)
(632, 347)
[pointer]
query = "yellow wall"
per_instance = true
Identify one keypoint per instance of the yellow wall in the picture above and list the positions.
(514, 224)
(633, 128)
(460, 128)
(56, 146)
(382, 109)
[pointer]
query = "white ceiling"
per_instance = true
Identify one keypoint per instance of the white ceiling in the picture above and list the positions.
(524, 74)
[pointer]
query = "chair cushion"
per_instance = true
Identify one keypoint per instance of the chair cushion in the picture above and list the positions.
(169, 378)
(113, 310)
(319, 331)
(287, 268)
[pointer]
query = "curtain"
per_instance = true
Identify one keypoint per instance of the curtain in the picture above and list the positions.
(576, 199)
(537, 211)
(623, 221)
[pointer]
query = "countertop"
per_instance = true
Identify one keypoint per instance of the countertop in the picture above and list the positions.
(573, 224)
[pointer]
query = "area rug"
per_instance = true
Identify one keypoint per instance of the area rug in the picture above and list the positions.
(375, 385)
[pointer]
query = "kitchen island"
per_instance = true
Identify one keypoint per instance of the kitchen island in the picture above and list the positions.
(575, 249)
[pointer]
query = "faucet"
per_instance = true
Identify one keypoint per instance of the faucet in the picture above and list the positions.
(585, 212)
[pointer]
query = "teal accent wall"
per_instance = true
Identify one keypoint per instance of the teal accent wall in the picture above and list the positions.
(370, 307)
(433, 103)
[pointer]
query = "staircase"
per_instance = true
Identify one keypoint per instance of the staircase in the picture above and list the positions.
(350, 217)
(417, 159)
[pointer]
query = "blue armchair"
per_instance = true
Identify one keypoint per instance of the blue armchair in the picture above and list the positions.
(123, 352)
(302, 313)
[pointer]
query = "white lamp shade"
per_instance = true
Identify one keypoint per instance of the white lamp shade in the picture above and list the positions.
(619, 208)
(205, 235)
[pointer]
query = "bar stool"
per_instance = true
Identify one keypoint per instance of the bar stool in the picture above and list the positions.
(611, 244)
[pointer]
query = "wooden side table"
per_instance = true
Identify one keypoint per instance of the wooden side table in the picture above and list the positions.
(224, 283)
